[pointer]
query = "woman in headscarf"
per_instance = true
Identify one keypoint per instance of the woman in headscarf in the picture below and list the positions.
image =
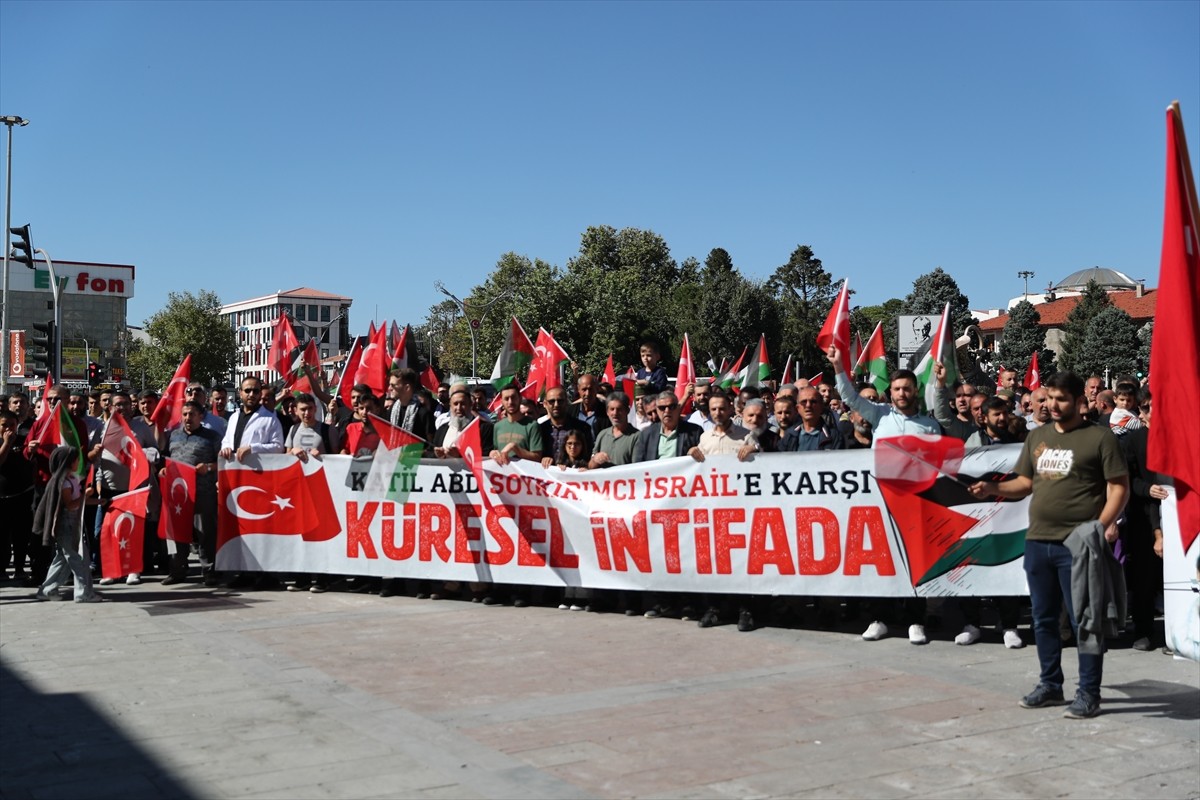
(57, 520)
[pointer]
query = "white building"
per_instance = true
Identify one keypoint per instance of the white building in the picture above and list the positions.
(314, 315)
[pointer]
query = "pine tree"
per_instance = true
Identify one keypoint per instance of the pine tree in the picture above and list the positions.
(930, 294)
(1110, 342)
(1023, 336)
(1093, 301)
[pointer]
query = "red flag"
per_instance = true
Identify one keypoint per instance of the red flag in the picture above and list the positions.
(787, 376)
(545, 372)
(472, 453)
(836, 330)
(1000, 372)
(177, 484)
(284, 346)
(395, 337)
(346, 383)
(375, 364)
(371, 330)
(910, 463)
(629, 381)
(405, 354)
(609, 375)
(1033, 376)
(816, 379)
(309, 360)
(685, 375)
(169, 411)
(1174, 445)
(120, 443)
(430, 380)
(286, 501)
(121, 535)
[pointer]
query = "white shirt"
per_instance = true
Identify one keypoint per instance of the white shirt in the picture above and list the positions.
(262, 434)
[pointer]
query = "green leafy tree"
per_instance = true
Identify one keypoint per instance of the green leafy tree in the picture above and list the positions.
(1023, 336)
(1110, 342)
(804, 292)
(733, 315)
(930, 294)
(1092, 302)
(189, 323)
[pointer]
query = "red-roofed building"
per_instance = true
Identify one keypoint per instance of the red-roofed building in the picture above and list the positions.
(314, 314)
(1138, 303)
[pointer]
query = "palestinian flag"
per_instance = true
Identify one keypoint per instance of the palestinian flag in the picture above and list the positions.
(941, 350)
(872, 362)
(395, 463)
(944, 530)
(726, 379)
(758, 371)
(515, 355)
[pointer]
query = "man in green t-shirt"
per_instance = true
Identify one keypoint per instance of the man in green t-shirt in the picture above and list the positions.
(1076, 474)
(614, 444)
(516, 435)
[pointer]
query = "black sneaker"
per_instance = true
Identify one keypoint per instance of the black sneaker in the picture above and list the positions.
(710, 619)
(745, 622)
(1084, 706)
(1043, 696)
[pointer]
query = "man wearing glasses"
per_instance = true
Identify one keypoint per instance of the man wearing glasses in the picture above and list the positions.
(558, 424)
(814, 431)
(669, 437)
(196, 394)
(252, 428)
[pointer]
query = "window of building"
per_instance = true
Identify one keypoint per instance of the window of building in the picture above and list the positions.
(312, 311)
(299, 311)
(324, 313)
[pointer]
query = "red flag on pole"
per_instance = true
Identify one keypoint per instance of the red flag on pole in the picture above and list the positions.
(346, 383)
(1033, 376)
(545, 372)
(836, 330)
(1174, 445)
(609, 375)
(685, 375)
(375, 364)
(121, 535)
(169, 411)
(787, 376)
(472, 453)
(284, 346)
(430, 380)
(177, 484)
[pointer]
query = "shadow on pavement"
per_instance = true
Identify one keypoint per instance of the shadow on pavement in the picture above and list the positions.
(60, 746)
(1154, 699)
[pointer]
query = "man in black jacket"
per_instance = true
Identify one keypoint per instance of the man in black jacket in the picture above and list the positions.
(670, 437)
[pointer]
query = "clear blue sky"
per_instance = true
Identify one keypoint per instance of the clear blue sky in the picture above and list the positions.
(370, 148)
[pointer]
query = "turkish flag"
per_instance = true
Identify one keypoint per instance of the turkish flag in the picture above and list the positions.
(177, 484)
(349, 371)
(122, 532)
(430, 380)
(286, 501)
(609, 375)
(120, 443)
(169, 411)
(836, 330)
(472, 453)
(911, 463)
(684, 376)
(284, 346)
(375, 364)
(1033, 376)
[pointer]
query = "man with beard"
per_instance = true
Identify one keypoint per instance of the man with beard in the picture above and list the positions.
(558, 423)
(462, 413)
(995, 425)
(407, 411)
(191, 443)
(614, 444)
(759, 437)
(902, 417)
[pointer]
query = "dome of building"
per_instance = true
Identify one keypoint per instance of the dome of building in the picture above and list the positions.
(1107, 278)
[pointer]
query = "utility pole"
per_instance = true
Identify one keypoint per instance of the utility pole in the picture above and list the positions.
(1026, 274)
(5, 356)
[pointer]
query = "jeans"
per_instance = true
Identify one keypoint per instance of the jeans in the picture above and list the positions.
(1048, 570)
(67, 559)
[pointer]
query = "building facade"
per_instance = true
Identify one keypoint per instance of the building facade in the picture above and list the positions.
(93, 307)
(314, 315)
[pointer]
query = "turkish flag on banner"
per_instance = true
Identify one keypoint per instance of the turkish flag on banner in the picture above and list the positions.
(177, 484)
(120, 443)
(286, 502)
(122, 533)
(911, 463)
(169, 411)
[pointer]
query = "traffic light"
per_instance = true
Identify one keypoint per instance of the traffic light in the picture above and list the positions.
(22, 246)
(94, 374)
(45, 360)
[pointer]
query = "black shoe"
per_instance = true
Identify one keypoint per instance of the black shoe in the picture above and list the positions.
(1084, 706)
(827, 619)
(710, 618)
(745, 621)
(171, 580)
(687, 614)
(488, 600)
(210, 579)
(629, 612)
(1043, 696)
(1143, 645)
(520, 602)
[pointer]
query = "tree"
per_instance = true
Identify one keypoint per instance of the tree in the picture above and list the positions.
(1092, 302)
(930, 294)
(805, 292)
(1145, 334)
(1023, 336)
(1110, 342)
(190, 323)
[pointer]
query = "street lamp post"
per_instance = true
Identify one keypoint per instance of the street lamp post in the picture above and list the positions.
(56, 291)
(472, 322)
(5, 358)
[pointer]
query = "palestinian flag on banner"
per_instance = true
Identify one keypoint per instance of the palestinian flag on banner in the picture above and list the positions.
(396, 460)
(515, 355)
(941, 350)
(758, 370)
(942, 526)
(872, 362)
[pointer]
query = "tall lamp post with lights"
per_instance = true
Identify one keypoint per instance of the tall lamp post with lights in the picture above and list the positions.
(5, 356)
(480, 310)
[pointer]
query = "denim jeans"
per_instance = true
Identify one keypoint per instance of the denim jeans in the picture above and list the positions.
(1048, 570)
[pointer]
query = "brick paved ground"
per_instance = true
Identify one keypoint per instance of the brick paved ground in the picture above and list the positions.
(184, 691)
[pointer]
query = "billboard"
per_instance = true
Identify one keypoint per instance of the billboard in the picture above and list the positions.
(914, 330)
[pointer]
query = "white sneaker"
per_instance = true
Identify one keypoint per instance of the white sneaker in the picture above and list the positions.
(107, 581)
(916, 634)
(576, 608)
(563, 606)
(875, 631)
(970, 635)
(134, 579)
(1013, 640)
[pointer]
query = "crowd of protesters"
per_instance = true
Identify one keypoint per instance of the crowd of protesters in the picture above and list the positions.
(586, 425)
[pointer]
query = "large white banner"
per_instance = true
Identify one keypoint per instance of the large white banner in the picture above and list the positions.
(794, 524)
(1181, 586)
